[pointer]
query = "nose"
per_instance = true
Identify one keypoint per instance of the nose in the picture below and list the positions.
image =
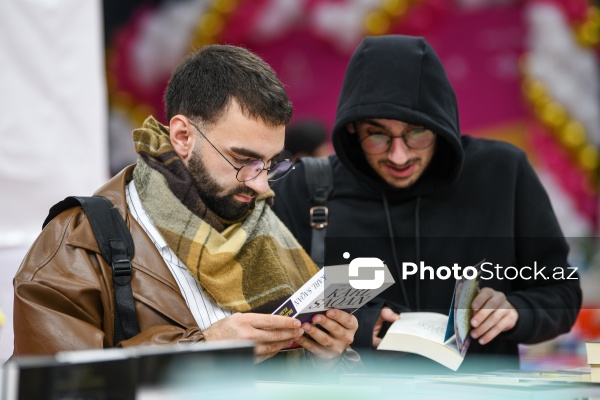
(398, 153)
(260, 184)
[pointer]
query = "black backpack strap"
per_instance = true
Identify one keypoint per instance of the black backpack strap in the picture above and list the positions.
(319, 179)
(59, 207)
(116, 245)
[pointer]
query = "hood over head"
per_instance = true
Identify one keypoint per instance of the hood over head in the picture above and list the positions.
(401, 78)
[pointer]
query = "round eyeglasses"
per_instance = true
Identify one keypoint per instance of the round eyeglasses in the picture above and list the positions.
(253, 168)
(415, 139)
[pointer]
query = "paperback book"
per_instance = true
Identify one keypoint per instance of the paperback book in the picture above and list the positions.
(442, 338)
(331, 288)
(592, 350)
(595, 373)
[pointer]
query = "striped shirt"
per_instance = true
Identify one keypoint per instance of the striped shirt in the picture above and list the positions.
(203, 309)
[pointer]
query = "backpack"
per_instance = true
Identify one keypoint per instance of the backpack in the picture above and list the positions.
(319, 179)
(116, 245)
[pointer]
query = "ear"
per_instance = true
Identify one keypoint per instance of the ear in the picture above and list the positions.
(350, 127)
(183, 136)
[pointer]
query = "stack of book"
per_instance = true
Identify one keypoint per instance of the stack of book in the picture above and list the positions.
(592, 348)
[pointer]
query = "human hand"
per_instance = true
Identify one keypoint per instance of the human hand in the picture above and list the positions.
(271, 333)
(493, 314)
(328, 345)
(386, 315)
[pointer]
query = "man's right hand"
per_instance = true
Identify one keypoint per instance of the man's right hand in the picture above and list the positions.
(271, 333)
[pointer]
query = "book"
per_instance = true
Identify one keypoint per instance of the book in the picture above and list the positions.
(595, 373)
(569, 375)
(331, 287)
(109, 376)
(488, 387)
(592, 350)
(120, 373)
(514, 384)
(210, 365)
(441, 338)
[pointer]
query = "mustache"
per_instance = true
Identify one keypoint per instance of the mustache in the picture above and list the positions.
(244, 190)
(413, 160)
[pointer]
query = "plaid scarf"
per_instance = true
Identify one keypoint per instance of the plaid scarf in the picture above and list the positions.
(249, 265)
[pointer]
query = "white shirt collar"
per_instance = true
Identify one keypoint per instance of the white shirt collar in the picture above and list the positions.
(142, 217)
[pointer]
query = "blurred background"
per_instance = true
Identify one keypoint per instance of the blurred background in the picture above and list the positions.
(78, 76)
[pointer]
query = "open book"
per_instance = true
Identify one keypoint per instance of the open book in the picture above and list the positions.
(442, 338)
(332, 287)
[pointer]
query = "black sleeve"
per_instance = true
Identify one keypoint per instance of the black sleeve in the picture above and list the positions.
(367, 317)
(548, 305)
(292, 205)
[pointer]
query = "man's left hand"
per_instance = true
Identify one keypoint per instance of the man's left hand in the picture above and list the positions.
(492, 315)
(341, 327)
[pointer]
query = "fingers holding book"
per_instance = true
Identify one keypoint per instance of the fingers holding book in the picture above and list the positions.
(271, 333)
(493, 314)
(337, 333)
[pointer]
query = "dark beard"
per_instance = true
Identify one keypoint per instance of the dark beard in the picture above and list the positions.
(225, 206)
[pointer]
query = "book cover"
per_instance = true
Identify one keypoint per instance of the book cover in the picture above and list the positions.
(331, 288)
(460, 314)
(442, 338)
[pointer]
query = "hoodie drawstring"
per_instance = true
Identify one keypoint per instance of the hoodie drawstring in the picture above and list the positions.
(418, 246)
(388, 216)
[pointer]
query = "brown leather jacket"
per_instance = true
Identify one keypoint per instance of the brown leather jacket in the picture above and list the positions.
(64, 288)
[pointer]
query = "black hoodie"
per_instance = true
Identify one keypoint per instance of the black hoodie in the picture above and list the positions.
(477, 199)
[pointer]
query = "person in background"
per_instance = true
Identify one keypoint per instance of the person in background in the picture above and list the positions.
(409, 188)
(212, 261)
(307, 137)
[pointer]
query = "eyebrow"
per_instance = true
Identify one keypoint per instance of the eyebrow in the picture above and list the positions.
(375, 123)
(253, 154)
(380, 125)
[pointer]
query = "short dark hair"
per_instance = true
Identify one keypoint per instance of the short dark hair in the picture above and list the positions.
(204, 84)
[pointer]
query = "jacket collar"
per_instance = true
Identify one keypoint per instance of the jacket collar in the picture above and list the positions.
(154, 285)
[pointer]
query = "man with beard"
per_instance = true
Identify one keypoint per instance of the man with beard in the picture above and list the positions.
(409, 188)
(211, 259)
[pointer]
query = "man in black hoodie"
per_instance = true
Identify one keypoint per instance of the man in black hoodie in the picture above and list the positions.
(408, 188)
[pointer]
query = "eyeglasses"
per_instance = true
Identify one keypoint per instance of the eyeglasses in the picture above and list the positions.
(253, 168)
(415, 138)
